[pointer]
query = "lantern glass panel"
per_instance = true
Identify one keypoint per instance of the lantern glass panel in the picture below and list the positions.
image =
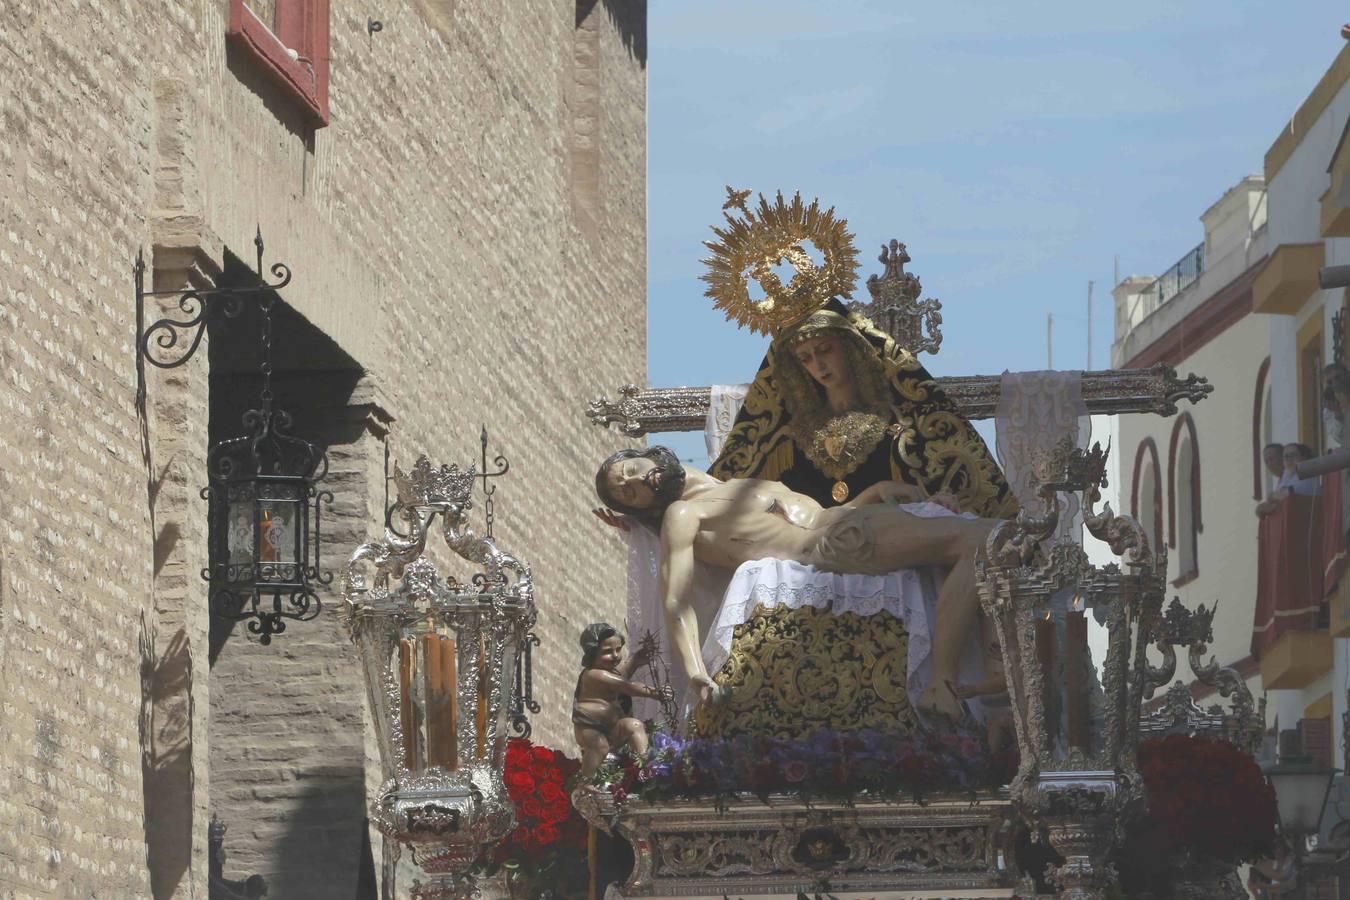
(429, 717)
(1301, 795)
(239, 534)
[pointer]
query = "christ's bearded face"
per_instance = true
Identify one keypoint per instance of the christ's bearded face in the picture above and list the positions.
(637, 482)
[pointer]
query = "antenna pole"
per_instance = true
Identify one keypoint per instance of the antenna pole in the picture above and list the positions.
(1049, 340)
(1089, 347)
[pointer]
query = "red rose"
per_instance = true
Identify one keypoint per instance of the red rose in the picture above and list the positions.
(551, 792)
(559, 810)
(545, 833)
(530, 806)
(542, 755)
(519, 785)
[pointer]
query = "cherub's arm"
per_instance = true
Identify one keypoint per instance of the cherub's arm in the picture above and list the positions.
(630, 663)
(679, 527)
(615, 682)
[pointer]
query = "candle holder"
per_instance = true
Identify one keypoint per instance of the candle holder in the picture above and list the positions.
(1077, 778)
(439, 656)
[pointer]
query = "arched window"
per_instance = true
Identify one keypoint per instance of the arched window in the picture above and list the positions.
(1183, 497)
(1261, 430)
(1146, 492)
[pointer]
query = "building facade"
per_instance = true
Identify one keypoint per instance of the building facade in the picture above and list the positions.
(459, 192)
(1246, 310)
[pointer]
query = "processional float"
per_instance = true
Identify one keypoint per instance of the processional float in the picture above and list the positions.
(1077, 782)
(438, 654)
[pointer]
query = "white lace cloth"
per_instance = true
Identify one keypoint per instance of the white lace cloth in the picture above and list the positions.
(770, 583)
(725, 401)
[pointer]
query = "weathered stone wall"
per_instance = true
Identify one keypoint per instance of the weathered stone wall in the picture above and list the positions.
(469, 229)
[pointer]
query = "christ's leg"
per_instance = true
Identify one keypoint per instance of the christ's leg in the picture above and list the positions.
(875, 539)
(957, 606)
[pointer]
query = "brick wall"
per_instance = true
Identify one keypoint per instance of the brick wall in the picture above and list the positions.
(433, 234)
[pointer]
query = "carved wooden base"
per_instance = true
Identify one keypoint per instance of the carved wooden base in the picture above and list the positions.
(947, 847)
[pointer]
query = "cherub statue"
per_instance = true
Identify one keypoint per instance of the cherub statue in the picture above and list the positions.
(602, 706)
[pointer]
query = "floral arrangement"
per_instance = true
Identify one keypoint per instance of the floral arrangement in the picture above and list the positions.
(547, 850)
(824, 764)
(1208, 797)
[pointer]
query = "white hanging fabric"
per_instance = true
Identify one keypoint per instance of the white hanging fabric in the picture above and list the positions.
(1036, 411)
(724, 403)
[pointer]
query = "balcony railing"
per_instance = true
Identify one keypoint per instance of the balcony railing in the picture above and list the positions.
(1181, 276)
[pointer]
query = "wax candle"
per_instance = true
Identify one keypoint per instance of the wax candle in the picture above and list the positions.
(431, 662)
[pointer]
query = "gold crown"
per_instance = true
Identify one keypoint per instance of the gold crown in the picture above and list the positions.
(754, 242)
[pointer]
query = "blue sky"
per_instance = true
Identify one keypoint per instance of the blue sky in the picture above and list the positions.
(1017, 149)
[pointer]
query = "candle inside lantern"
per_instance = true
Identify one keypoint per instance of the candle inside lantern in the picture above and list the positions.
(435, 690)
(267, 550)
(1045, 656)
(1075, 666)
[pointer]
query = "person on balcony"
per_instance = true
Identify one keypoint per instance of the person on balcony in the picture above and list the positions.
(1289, 483)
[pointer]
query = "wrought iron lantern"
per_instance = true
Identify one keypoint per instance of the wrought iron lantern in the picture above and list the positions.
(262, 487)
(440, 658)
(1077, 776)
(263, 484)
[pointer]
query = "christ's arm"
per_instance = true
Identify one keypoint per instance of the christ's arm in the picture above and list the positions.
(679, 528)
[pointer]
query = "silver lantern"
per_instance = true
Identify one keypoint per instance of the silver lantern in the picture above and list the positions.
(1077, 737)
(439, 656)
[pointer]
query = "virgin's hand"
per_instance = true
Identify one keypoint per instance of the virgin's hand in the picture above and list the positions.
(704, 687)
(946, 500)
(612, 519)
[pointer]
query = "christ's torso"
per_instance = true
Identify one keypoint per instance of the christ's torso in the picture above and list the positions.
(745, 519)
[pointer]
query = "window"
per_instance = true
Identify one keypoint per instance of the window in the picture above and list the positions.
(1183, 497)
(291, 49)
(1146, 495)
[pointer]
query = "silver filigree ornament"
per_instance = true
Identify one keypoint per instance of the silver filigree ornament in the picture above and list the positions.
(438, 657)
